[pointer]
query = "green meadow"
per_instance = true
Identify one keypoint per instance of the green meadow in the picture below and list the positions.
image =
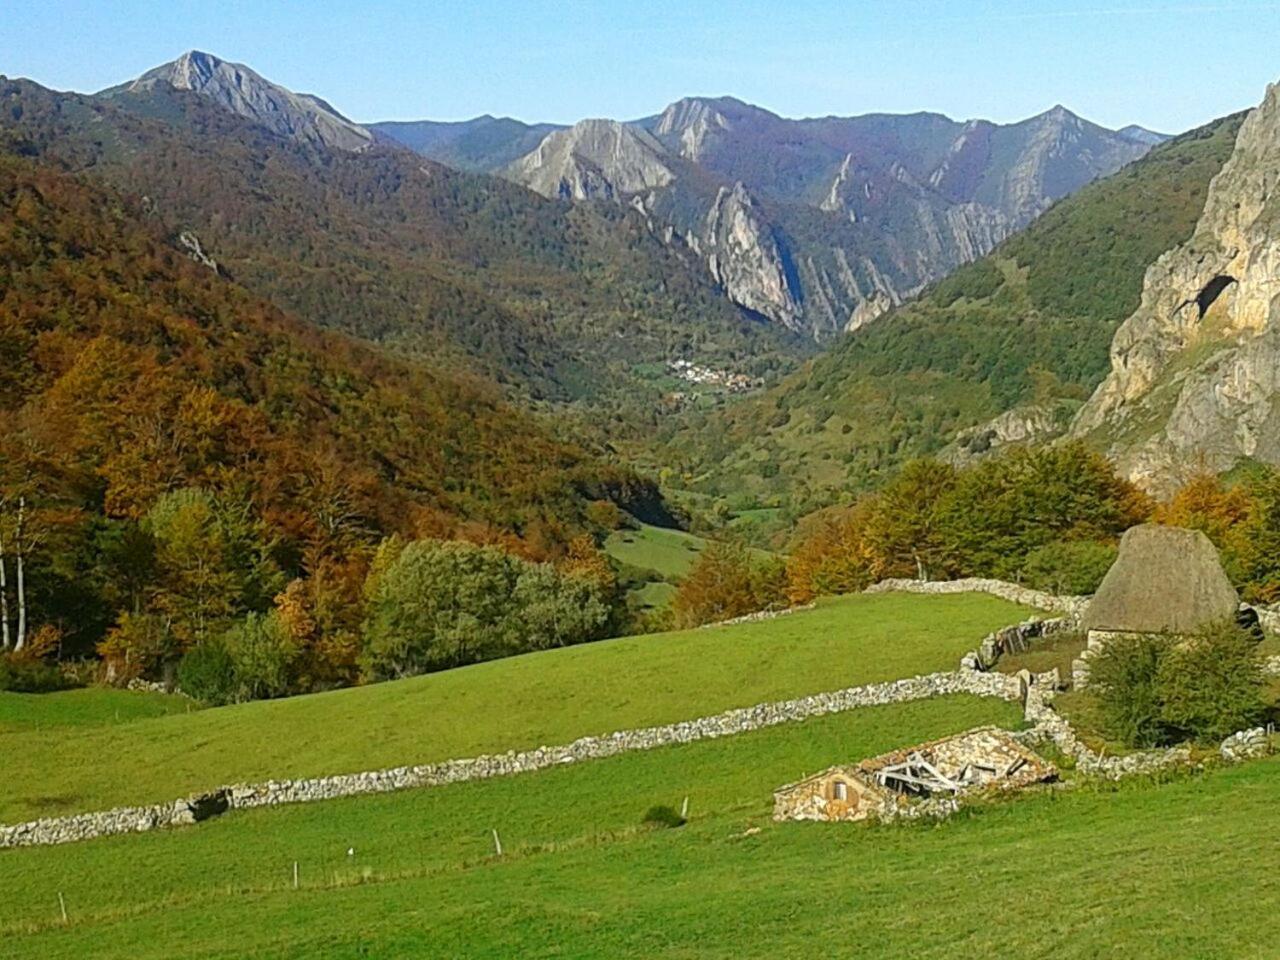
(549, 697)
(668, 552)
(1174, 870)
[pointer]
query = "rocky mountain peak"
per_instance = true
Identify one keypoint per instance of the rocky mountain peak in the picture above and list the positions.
(1140, 134)
(237, 88)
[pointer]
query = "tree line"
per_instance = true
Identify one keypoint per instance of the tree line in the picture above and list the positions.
(1048, 517)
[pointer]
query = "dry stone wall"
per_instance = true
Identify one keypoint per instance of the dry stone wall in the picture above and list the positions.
(1034, 692)
(1070, 607)
(728, 723)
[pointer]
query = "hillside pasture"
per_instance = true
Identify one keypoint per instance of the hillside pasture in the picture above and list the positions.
(670, 553)
(521, 702)
(87, 707)
(449, 828)
(1172, 870)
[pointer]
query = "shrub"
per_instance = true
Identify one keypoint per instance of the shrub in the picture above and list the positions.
(207, 673)
(605, 514)
(1211, 685)
(443, 604)
(726, 582)
(134, 647)
(1069, 567)
(663, 817)
(20, 674)
(262, 653)
(1153, 690)
(1123, 679)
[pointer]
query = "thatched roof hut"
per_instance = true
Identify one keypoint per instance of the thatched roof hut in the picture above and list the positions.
(1164, 580)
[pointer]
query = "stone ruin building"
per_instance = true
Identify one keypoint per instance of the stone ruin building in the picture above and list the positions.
(890, 785)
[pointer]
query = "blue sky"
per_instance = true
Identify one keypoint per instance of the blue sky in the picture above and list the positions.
(1167, 65)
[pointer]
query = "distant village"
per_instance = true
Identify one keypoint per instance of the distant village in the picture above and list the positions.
(707, 376)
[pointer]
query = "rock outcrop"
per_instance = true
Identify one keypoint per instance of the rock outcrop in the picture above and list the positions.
(1195, 371)
(1021, 426)
(594, 159)
(233, 86)
(744, 257)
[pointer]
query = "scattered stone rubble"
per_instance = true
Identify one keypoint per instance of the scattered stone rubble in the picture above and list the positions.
(759, 615)
(1011, 639)
(1245, 745)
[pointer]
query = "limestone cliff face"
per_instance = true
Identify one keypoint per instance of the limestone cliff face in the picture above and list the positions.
(744, 257)
(594, 159)
(1195, 372)
(235, 87)
(603, 159)
(825, 224)
(1030, 424)
(693, 122)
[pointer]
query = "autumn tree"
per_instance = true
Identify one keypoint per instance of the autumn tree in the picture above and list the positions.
(903, 523)
(829, 554)
(725, 582)
(212, 561)
(1004, 508)
(1207, 504)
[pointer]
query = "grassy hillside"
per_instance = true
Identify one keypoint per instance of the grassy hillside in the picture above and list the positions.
(90, 707)
(452, 825)
(542, 698)
(668, 552)
(1167, 870)
(1032, 322)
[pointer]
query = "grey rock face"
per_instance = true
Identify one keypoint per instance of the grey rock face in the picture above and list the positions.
(834, 221)
(743, 257)
(594, 159)
(1033, 423)
(1195, 371)
(235, 87)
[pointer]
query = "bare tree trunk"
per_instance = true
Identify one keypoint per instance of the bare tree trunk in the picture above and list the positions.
(6, 641)
(22, 586)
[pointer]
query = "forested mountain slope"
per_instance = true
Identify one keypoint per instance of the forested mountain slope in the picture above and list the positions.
(131, 372)
(1025, 329)
(457, 269)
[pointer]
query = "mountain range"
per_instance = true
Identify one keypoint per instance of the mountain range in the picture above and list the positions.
(819, 225)
(979, 272)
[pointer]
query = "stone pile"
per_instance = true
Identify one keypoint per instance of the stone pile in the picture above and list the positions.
(1245, 745)
(1011, 639)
